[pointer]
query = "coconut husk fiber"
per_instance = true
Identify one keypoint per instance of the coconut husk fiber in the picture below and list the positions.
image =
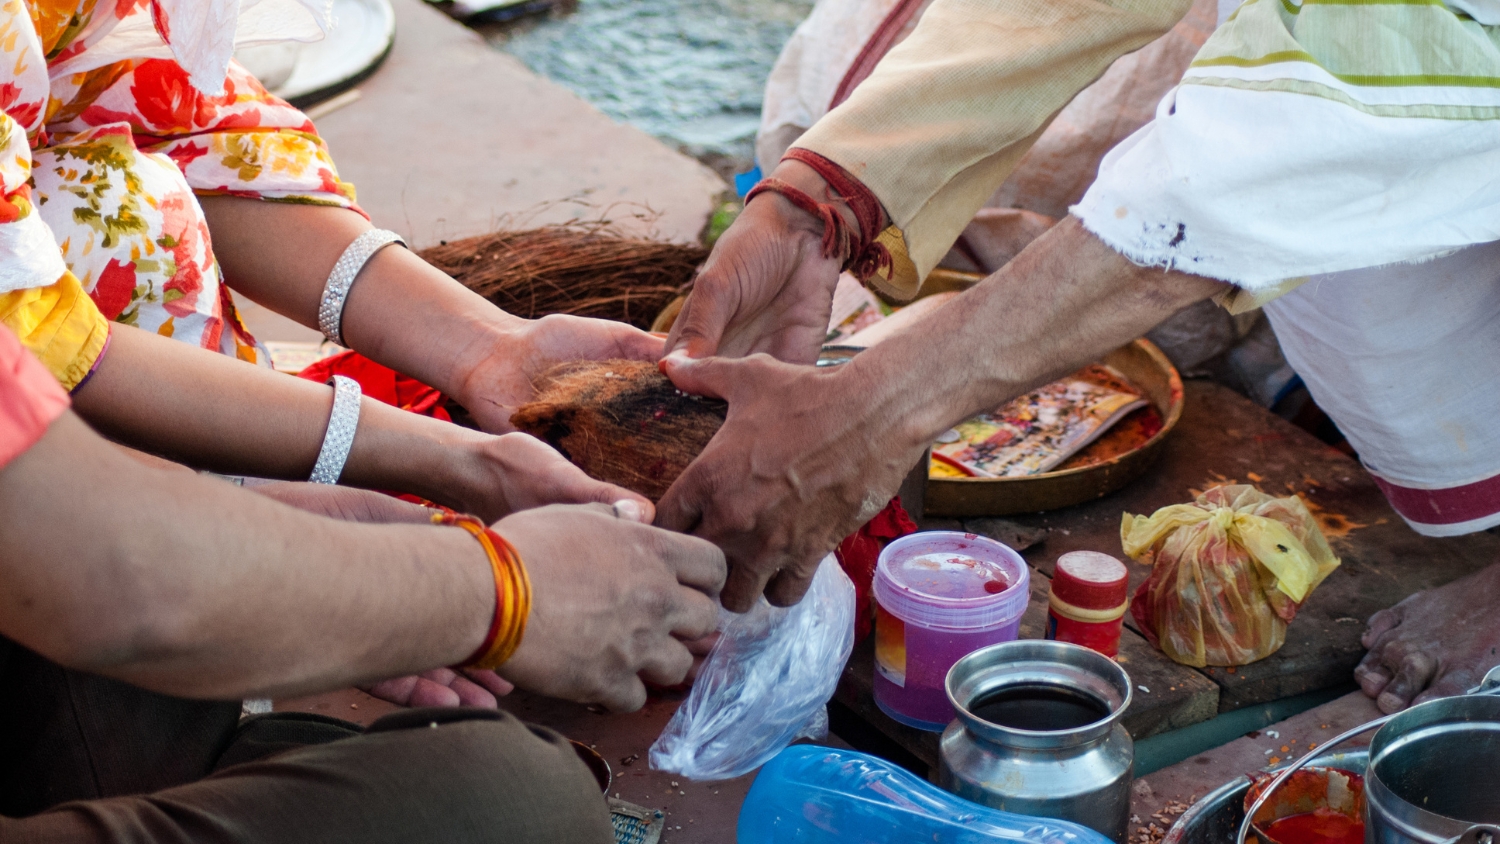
(621, 421)
(585, 269)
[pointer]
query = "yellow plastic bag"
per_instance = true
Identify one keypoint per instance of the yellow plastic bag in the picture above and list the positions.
(1228, 573)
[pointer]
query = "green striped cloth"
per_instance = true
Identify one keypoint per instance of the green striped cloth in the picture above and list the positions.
(1315, 137)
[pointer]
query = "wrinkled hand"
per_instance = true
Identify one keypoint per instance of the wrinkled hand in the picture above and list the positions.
(765, 288)
(506, 379)
(802, 460)
(612, 602)
(517, 472)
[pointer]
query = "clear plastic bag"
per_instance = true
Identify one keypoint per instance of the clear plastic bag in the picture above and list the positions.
(765, 684)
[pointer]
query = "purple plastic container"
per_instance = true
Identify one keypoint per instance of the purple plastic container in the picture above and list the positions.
(939, 596)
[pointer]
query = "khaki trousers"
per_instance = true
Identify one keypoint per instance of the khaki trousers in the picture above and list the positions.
(84, 759)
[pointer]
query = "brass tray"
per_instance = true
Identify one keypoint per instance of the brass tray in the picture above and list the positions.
(1145, 365)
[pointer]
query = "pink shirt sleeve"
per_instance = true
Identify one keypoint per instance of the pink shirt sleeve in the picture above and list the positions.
(30, 398)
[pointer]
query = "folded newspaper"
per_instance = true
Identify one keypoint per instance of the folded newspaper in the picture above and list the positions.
(1038, 431)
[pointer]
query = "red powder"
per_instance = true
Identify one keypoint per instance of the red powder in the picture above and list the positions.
(995, 587)
(1324, 826)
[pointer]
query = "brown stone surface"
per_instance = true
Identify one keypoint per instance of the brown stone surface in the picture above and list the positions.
(450, 135)
(1224, 437)
(1192, 778)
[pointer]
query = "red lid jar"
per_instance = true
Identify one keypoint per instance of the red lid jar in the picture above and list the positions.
(1090, 593)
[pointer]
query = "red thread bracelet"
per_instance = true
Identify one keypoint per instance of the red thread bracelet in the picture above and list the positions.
(862, 255)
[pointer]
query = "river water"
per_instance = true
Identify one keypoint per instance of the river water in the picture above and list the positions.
(690, 72)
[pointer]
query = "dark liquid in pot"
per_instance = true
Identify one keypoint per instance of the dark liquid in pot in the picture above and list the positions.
(1039, 708)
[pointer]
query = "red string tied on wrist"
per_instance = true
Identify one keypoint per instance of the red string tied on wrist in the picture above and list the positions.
(862, 255)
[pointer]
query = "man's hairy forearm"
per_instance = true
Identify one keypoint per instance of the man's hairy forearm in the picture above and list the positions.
(190, 586)
(1062, 303)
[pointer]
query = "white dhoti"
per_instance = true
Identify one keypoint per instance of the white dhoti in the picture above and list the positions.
(1406, 360)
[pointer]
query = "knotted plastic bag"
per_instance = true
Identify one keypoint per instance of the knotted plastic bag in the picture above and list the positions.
(1229, 572)
(765, 684)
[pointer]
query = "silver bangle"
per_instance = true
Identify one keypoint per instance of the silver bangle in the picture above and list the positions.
(336, 289)
(342, 423)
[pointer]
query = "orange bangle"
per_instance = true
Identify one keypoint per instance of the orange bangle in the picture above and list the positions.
(512, 593)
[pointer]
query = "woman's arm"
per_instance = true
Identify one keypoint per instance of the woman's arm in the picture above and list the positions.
(402, 311)
(206, 410)
(190, 586)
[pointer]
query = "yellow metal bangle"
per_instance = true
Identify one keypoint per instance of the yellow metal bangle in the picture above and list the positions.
(512, 593)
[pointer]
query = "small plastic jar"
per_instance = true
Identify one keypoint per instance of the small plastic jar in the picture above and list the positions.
(1090, 593)
(940, 595)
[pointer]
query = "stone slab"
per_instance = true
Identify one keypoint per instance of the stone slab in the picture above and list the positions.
(450, 137)
(1225, 438)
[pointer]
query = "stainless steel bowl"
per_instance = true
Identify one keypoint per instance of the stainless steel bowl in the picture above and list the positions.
(1216, 818)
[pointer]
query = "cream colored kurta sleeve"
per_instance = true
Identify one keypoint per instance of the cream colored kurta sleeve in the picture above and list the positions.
(947, 115)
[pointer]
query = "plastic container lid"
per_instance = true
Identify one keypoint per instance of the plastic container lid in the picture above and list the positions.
(953, 580)
(1090, 580)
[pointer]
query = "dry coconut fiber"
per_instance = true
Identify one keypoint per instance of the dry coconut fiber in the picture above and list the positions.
(585, 269)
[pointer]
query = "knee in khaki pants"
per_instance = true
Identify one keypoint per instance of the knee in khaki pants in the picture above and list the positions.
(450, 775)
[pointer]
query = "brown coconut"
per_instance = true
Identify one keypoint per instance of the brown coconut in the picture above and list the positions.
(621, 421)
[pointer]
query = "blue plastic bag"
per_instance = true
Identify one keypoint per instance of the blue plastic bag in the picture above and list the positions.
(822, 795)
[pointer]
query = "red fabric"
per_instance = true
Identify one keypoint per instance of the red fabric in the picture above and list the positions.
(875, 49)
(860, 551)
(30, 398)
(380, 383)
(866, 257)
(1444, 506)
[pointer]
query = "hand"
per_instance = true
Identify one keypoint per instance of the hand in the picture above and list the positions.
(506, 378)
(515, 472)
(804, 458)
(700, 649)
(612, 600)
(767, 286)
(443, 687)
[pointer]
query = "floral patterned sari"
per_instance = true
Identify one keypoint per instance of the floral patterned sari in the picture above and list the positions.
(100, 161)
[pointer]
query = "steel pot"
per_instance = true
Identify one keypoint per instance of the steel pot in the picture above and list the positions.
(1435, 772)
(1433, 775)
(1003, 751)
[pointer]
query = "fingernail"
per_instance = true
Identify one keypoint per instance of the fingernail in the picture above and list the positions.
(678, 357)
(626, 508)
